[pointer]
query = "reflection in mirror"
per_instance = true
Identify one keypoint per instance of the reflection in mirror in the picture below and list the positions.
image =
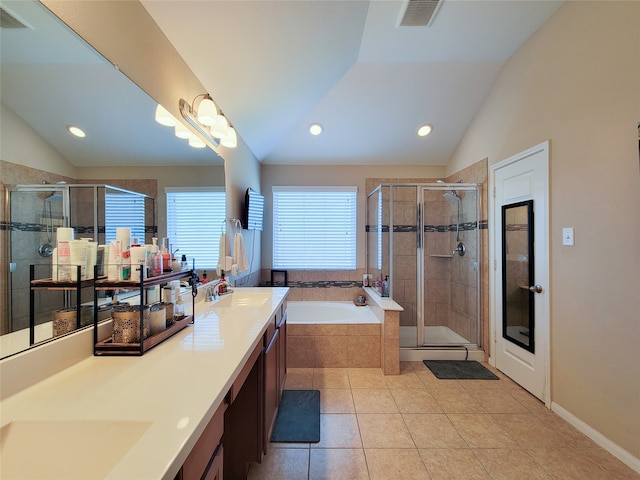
(517, 274)
(51, 78)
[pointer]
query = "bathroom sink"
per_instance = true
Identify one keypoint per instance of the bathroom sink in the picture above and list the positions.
(242, 299)
(80, 449)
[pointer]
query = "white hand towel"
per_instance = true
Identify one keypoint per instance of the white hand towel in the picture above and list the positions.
(222, 252)
(240, 253)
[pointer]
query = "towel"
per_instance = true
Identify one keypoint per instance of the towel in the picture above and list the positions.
(222, 252)
(239, 253)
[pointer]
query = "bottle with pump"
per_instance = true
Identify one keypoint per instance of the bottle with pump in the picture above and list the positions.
(183, 262)
(166, 255)
(222, 286)
(204, 277)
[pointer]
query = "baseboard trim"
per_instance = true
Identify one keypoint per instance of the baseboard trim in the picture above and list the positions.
(611, 447)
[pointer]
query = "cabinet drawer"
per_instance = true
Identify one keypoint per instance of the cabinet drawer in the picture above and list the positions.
(214, 472)
(201, 454)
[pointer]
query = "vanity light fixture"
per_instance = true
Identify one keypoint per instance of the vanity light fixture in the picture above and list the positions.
(231, 140)
(76, 131)
(163, 117)
(425, 130)
(315, 129)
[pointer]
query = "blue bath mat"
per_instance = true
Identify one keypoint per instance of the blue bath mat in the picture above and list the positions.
(459, 370)
(298, 419)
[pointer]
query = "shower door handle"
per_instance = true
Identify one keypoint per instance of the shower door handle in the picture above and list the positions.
(535, 289)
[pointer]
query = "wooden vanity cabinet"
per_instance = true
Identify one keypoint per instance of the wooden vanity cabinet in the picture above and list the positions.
(275, 369)
(205, 459)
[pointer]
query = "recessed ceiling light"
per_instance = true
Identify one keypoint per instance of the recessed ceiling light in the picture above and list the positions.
(78, 132)
(315, 129)
(425, 130)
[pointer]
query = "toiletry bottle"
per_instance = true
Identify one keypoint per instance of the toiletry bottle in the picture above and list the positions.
(204, 277)
(183, 262)
(222, 286)
(385, 286)
(178, 309)
(156, 268)
(166, 256)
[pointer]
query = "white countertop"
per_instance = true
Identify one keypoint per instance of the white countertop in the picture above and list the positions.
(176, 386)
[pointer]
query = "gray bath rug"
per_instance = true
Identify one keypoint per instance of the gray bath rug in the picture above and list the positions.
(459, 370)
(298, 417)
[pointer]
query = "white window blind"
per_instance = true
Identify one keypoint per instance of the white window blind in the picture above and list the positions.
(314, 228)
(195, 221)
(123, 209)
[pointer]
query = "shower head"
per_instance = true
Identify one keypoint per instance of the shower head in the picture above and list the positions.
(54, 197)
(452, 195)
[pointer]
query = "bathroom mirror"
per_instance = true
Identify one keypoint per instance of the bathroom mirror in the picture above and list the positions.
(50, 79)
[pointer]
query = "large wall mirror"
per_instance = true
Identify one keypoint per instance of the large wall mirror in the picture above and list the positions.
(50, 79)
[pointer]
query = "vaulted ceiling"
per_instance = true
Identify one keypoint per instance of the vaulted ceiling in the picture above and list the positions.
(275, 67)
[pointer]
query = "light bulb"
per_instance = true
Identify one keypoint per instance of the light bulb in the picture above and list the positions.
(207, 112)
(231, 140)
(163, 117)
(220, 128)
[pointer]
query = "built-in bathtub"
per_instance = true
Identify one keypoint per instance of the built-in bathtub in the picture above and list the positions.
(332, 335)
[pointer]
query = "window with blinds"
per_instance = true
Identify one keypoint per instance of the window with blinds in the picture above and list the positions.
(123, 209)
(195, 221)
(314, 228)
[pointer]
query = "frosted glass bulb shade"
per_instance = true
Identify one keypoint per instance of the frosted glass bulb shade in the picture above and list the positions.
(220, 128)
(182, 131)
(207, 112)
(231, 140)
(195, 142)
(163, 117)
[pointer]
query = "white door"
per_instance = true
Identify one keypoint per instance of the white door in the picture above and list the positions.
(520, 274)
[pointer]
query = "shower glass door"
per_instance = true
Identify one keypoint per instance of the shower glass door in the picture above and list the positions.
(450, 265)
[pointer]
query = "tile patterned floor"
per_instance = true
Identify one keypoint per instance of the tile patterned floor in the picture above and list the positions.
(414, 426)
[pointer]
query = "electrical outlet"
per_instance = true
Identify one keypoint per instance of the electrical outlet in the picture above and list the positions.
(567, 236)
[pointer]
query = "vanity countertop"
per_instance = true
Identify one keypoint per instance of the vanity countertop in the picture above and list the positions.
(175, 387)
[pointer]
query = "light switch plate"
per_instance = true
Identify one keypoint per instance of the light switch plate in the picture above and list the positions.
(567, 236)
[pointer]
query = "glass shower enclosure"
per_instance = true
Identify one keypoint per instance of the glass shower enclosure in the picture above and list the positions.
(423, 241)
(36, 211)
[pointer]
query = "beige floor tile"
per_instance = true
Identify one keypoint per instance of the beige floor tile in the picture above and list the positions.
(288, 445)
(374, 400)
(482, 431)
(453, 464)
(569, 464)
(533, 404)
(395, 464)
(497, 400)
(366, 378)
(510, 464)
(384, 430)
(336, 400)
(414, 400)
(330, 378)
(407, 379)
(571, 437)
(299, 379)
(457, 402)
(611, 464)
(283, 464)
(433, 430)
(338, 430)
(529, 431)
(338, 464)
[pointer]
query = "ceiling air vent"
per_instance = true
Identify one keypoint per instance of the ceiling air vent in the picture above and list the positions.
(7, 20)
(418, 13)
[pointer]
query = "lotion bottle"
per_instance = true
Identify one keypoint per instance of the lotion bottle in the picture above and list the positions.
(156, 268)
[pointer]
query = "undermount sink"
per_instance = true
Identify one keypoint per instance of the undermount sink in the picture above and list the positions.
(70, 449)
(242, 299)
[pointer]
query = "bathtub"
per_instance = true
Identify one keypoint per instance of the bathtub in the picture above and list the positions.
(312, 313)
(332, 335)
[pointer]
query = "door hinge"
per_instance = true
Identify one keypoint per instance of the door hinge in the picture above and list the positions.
(493, 192)
(495, 264)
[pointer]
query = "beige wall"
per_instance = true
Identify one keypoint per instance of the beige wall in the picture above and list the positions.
(576, 82)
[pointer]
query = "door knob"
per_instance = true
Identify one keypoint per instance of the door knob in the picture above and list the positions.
(535, 289)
